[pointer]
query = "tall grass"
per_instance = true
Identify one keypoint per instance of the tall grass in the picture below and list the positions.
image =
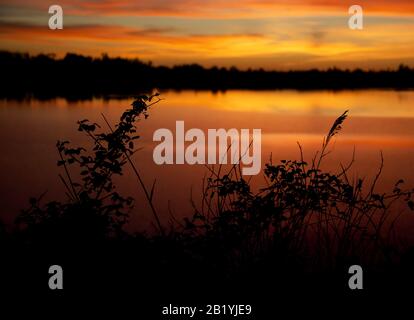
(302, 213)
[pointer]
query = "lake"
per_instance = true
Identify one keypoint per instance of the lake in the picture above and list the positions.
(379, 120)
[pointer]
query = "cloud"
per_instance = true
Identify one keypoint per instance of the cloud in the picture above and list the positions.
(160, 40)
(256, 33)
(214, 9)
(85, 31)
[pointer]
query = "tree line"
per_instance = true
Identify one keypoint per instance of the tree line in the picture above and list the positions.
(44, 75)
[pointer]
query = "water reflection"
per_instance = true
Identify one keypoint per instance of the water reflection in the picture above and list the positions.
(379, 120)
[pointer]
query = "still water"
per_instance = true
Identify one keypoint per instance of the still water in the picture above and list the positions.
(379, 120)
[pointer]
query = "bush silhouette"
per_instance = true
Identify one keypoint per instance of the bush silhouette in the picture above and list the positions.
(302, 218)
(94, 209)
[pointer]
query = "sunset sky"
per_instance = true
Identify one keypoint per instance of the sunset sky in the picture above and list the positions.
(272, 34)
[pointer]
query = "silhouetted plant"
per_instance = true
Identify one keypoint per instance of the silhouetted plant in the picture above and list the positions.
(302, 212)
(303, 215)
(94, 205)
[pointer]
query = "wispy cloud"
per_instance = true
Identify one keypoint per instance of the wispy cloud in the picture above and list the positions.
(213, 8)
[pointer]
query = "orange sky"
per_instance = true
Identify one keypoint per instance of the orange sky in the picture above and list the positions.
(295, 34)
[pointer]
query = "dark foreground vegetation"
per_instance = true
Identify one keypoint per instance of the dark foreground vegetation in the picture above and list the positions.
(289, 242)
(76, 76)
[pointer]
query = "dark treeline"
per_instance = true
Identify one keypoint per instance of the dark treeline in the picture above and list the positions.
(77, 75)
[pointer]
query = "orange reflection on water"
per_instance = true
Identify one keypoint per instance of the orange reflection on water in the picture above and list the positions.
(378, 121)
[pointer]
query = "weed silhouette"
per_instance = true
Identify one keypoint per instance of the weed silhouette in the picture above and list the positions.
(303, 221)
